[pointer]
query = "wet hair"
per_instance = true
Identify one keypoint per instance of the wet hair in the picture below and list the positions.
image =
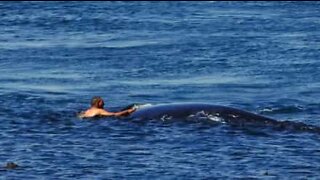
(95, 101)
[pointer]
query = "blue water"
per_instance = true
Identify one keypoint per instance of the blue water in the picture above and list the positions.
(261, 57)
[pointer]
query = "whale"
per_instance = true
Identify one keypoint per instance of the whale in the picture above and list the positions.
(218, 113)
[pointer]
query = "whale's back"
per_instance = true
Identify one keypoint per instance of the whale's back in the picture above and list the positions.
(228, 115)
(185, 110)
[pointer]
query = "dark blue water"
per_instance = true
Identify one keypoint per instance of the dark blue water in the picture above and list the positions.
(261, 57)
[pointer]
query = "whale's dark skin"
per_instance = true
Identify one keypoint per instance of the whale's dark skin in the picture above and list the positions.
(229, 115)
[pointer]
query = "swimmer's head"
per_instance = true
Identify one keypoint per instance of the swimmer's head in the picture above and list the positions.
(97, 102)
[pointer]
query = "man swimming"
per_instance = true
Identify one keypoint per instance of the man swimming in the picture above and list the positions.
(97, 109)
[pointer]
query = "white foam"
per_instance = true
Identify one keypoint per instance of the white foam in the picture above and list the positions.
(205, 116)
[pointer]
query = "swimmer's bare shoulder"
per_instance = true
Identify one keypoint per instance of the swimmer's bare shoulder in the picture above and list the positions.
(93, 112)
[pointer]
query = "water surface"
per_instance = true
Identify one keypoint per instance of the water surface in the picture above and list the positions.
(257, 56)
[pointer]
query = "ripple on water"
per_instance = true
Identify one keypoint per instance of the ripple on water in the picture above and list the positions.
(261, 57)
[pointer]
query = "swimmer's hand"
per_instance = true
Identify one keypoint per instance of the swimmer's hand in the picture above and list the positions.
(125, 112)
(131, 110)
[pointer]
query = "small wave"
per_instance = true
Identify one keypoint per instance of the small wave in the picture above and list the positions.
(282, 110)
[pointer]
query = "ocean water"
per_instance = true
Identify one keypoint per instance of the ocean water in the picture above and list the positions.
(261, 57)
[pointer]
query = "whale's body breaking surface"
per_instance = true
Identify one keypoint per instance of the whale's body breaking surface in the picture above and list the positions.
(180, 111)
(228, 115)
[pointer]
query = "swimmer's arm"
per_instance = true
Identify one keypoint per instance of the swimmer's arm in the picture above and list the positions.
(125, 112)
(103, 112)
